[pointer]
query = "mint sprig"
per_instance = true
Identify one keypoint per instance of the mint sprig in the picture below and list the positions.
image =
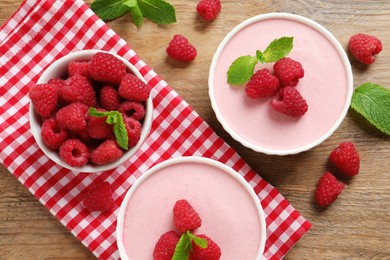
(184, 246)
(241, 70)
(372, 101)
(114, 118)
(157, 11)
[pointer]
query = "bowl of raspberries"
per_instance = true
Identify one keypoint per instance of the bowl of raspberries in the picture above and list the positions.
(90, 111)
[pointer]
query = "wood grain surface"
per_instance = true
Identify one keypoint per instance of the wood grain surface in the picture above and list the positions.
(356, 226)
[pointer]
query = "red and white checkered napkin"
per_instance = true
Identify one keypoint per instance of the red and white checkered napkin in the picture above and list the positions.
(43, 31)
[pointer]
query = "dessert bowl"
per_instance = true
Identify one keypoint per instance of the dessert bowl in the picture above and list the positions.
(228, 206)
(58, 70)
(327, 85)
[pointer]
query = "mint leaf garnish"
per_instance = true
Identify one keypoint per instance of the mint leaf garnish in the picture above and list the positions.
(201, 242)
(241, 70)
(157, 11)
(278, 49)
(114, 118)
(110, 9)
(136, 15)
(372, 101)
(184, 246)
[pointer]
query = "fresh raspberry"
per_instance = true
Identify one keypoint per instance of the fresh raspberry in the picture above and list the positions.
(109, 98)
(209, 9)
(262, 84)
(165, 246)
(363, 47)
(346, 158)
(288, 71)
(98, 197)
(77, 88)
(132, 88)
(73, 117)
(180, 49)
(133, 128)
(106, 152)
(211, 252)
(98, 128)
(44, 98)
(133, 109)
(105, 67)
(52, 134)
(328, 188)
(290, 102)
(76, 67)
(74, 152)
(56, 82)
(185, 217)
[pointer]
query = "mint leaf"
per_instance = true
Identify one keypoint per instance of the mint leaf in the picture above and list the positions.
(260, 56)
(241, 70)
(183, 248)
(201, 242)
(278, 49)
(110, 9)
(136, 15)
(372, 101)
(130, 3)
(157, 11)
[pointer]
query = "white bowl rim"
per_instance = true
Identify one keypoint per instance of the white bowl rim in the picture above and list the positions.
(187, 159)
(310, 23)
(88, 168)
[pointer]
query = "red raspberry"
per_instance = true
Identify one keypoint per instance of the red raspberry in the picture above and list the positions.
(76, 67)
(328, 188)
(133, 128)
(73, 117)
(132, 88)
(44, 98)
(98, 197)
(98, 128)
(290, 102)
(106, 152)
(165, 246)
(109, 98)
(56, 82)
(180, 49)
(288, 71)
(363, 47)
(52, 134)
(185, 217)
(105, 67)
(211, 252)
(262, 84)
(346, 158)
(209, 9)
(133, 109)
(78, 89)
(74, 152)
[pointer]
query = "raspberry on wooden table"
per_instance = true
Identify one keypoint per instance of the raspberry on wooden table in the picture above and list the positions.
(106, 152)
(165, 246)
(290, 102)
(288, 71)
(209, 9)
(346, 158)
(262, 84)
(132, 88)
(211, 252)
(328, 189)
(98, 197)
(180, 49)
(74, 152)
(105, 67)
(44, 98)
(363, 47)
(53, 136)
(185, 217)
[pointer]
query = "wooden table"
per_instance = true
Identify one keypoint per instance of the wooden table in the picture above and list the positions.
(356, 226)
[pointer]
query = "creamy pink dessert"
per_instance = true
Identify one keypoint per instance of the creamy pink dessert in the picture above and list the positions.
(326, 86)
(230, 211)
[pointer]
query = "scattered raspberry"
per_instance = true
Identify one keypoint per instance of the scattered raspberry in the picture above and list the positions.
(109, 98)
(76, 67)
(290, 102)
(133, 128)
(288, 71)
(106, 152)
(165, 246)
(209, 9)
(346, 158)
(363, 47)
(52, 134)
(98, 197)
(328, 188)
(73, 117)
(74, 152)
(180, 49)
(132, 88)
(133, 109)
(78, 89)
(44, 98)
(262, 84)
(106, 67)
(98, 128)
(185, 217)
(211, 252)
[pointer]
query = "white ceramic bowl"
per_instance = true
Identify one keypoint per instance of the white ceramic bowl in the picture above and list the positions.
(56, 70)
(327, 85)
(219, 194)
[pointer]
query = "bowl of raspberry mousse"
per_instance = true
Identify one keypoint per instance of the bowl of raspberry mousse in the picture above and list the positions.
(90, 111)
(280, 83)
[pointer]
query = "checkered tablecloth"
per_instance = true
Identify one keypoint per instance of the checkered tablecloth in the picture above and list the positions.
(40, 32)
